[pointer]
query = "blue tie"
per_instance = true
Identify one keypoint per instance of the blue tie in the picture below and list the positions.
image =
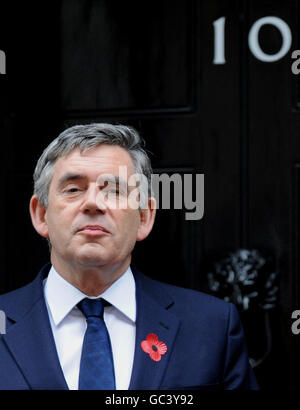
(96, 364)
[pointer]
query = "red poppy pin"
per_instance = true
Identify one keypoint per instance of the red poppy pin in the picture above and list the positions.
(154, 347)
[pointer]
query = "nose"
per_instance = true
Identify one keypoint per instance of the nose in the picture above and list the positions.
(93, 201)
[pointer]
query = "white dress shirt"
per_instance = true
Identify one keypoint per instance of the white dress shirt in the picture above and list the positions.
(69, 324)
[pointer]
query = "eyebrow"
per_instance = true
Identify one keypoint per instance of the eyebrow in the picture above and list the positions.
(69, 176)
(116, 179)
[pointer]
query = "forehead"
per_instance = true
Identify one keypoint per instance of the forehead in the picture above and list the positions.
(95, 160)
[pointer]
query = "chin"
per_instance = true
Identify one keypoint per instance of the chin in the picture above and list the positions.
(90, 261)
(92, 257)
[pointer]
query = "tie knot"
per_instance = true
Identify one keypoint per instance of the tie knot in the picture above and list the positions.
(91, 307)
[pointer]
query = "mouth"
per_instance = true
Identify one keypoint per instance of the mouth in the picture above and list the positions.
(93, 230)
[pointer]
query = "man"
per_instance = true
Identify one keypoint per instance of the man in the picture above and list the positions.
(92, 207)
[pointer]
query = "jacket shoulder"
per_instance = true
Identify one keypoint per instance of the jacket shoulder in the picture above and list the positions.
(187, 299)
(17, 302)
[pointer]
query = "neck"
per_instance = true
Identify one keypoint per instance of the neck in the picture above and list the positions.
(90, 280)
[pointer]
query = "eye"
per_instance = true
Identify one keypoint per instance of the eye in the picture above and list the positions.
(114, 190)
(111, 189)
(71, 190)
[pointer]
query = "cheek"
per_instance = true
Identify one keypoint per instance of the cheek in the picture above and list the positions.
(132, 229)
(128, 224)
(57, 221)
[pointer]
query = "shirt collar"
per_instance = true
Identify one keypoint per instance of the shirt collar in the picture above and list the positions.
(61, 296)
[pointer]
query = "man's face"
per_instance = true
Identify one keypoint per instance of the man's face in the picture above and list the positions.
(82, 228)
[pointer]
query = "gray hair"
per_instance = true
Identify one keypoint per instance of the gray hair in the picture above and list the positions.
(85, 137)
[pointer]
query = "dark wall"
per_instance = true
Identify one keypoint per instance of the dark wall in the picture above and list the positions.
(150, 64)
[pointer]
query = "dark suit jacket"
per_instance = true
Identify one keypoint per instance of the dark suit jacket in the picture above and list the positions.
(204, 337)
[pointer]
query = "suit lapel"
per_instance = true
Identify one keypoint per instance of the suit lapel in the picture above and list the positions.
(31, 343)
(152, 317)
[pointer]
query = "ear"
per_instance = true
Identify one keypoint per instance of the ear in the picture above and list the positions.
(37, 213)
(147, 217)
